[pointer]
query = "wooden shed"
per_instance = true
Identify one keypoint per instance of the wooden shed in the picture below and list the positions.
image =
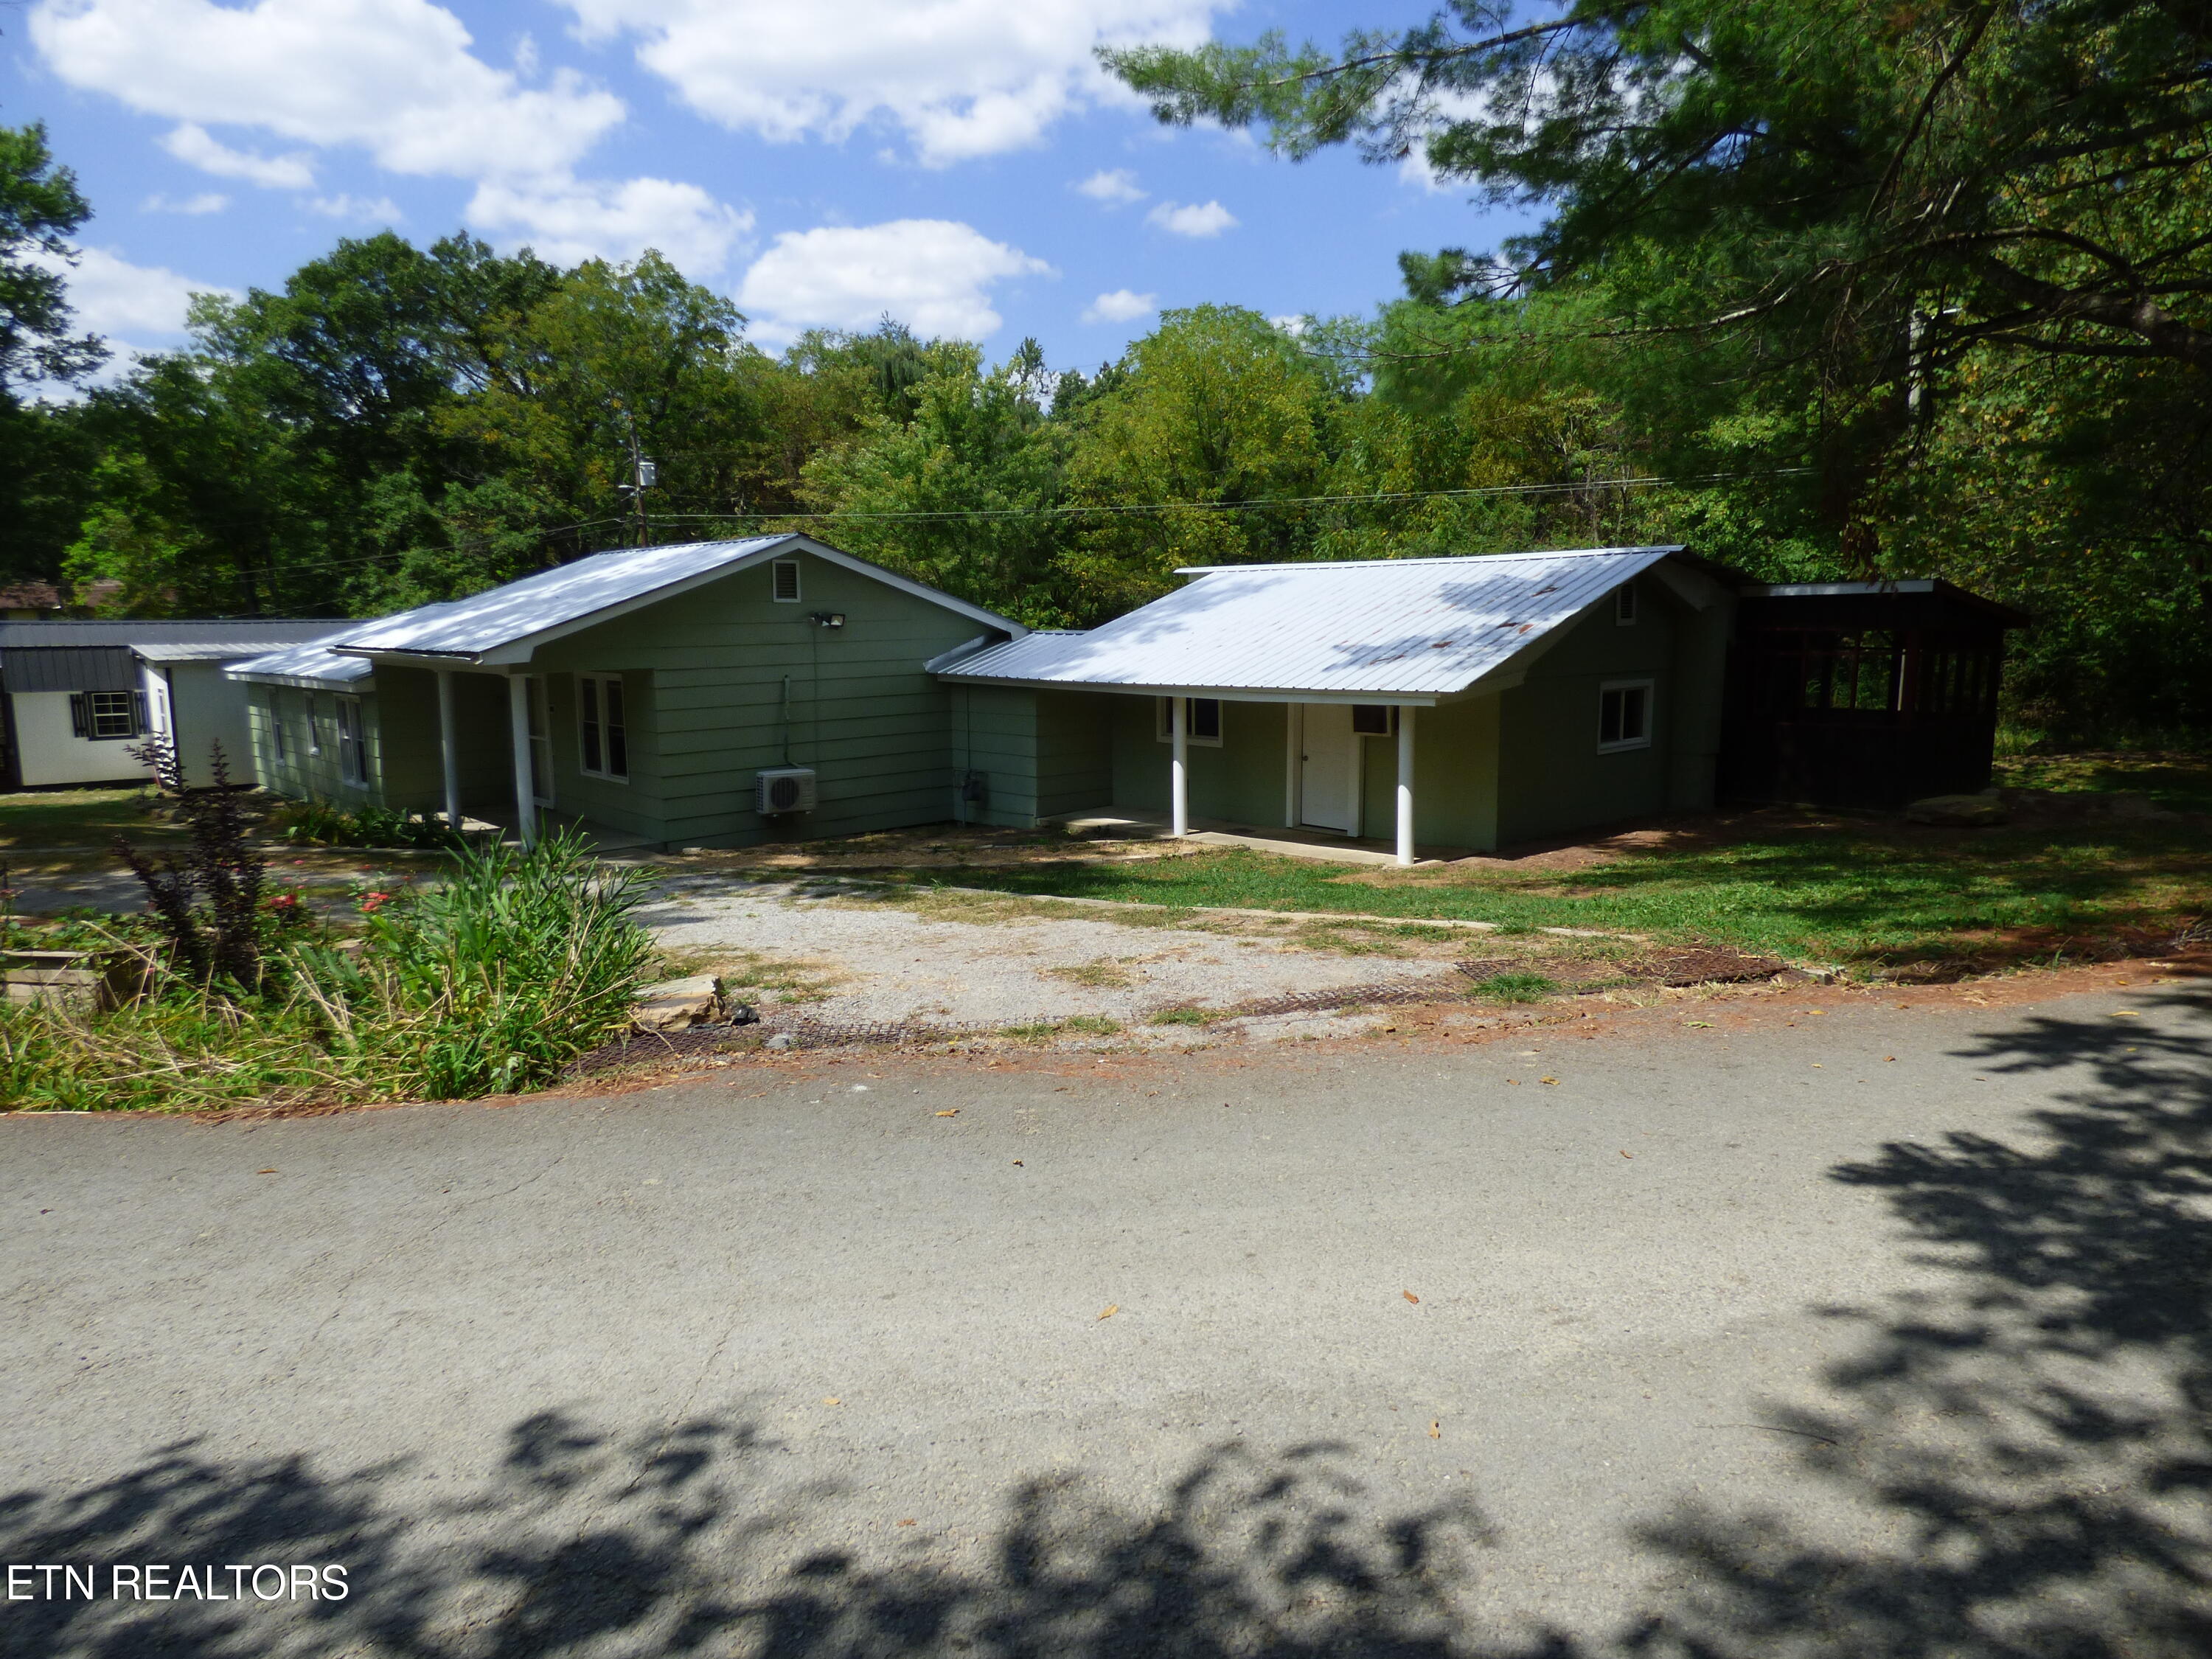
(1861, 694)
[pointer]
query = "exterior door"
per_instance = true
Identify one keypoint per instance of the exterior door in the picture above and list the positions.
(541, 743)
(1328, 769)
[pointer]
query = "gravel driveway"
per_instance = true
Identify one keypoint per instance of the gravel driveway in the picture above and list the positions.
(982, 964)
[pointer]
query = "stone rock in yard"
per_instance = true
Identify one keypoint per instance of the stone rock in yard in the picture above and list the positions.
(677, 1005)
(1960, 812)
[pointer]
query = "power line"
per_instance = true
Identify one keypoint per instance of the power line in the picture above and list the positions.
(1261, 505)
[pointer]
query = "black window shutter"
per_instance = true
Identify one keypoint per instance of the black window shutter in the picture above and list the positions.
(139, 724)
(79, 714)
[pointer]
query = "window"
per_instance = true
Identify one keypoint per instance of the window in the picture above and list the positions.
(103, 716)
(784, 578)
(1373, 719)
(276, 726)
(603, 729)
(1202, 722)
(1624, 603)
(353, 753)
(1623, 715)
(1829, 674)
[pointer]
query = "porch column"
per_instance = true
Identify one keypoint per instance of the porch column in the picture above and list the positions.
(1179, 766)
(448, 747)
(1405, 784)
(525, 794)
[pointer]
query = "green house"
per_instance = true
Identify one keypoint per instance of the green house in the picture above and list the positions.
(1456, 703)
(711, 694)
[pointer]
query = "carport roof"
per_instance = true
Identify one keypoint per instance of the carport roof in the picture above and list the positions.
(1381, 628)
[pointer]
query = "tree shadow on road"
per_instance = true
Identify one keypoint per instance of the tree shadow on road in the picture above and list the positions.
(2013, 1462)
(2026, 1441)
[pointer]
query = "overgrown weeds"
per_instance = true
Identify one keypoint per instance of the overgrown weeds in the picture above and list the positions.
(490, 982)
(320, 822)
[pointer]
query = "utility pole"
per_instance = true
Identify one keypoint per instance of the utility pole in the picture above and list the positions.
(644, 475)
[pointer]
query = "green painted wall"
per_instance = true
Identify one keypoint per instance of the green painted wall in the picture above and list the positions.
(1455, 778)
(1042, 753)
(705, 676)
(1552, 779)
(309, 769)
(1240, 781)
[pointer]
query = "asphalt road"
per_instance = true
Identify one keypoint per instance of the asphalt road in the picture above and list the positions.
(1868, 1332)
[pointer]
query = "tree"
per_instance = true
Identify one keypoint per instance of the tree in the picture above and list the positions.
(40, 207)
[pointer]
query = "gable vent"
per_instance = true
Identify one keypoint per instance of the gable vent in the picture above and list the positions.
(786, 574)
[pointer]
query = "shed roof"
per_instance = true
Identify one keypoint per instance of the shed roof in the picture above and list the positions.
(1415, 628)
(199, 651)
(259, 633)
(506, 624)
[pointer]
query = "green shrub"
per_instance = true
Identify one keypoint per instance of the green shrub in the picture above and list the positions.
(320, 823)
(490, 980)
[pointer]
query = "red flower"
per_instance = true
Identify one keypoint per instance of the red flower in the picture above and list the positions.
(370, 901)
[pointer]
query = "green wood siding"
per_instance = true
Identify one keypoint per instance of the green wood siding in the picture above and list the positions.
(1041, 753)
(1455, 777)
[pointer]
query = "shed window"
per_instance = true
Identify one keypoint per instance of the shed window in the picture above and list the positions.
(1373, 719)
(353, 753)
(276, 726)
(103, 716)
(1202, 721)
(1624, 603)
(603, 727)
(785, 575)
(1623, 715)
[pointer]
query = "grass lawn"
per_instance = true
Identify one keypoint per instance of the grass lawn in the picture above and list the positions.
(2179, 782)
(1870, 894)
(76, 817)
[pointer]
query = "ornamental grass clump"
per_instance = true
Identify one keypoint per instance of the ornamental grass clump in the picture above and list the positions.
(488, 981)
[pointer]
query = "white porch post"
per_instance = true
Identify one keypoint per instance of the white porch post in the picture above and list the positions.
(1405, 784)
(449, 747)
(1179, 767)
(525, 792)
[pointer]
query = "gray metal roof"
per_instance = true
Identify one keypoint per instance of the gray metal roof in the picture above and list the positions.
(209, 651)
(79, 668)
(259, 633)
(312, 664)
(504, 624)
(1421, 627)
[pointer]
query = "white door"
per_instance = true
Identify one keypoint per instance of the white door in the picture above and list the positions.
(1328, 769)
(541, 743)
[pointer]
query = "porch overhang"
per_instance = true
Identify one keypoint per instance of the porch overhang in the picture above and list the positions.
(1220, 693)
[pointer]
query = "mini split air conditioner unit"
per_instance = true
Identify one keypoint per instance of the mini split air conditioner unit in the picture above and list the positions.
(784, 789)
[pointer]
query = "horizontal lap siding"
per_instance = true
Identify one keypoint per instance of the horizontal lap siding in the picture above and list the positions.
(994, 733)
(703, 679)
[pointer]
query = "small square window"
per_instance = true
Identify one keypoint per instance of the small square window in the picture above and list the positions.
(1624, 603)
(1623, 715)
(784, 577)
(1373, 719)
(113, 715)
(1202, 721)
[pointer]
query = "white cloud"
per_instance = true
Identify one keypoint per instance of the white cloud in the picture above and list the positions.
(932, 275)
(960, 78)
(368, 210)
(1113, 186)
(568, 220)
(1293, 326)
(1120, 307)
(207, 201)
(198, 148)
(395, 76)
(1192, 219)
(112, 296)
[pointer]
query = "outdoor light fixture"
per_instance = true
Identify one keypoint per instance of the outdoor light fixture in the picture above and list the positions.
(829, 618)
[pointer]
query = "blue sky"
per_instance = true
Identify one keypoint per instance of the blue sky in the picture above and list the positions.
(959, 164)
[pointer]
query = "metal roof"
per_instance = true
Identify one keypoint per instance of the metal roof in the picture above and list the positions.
(208, 651)
(1421, 628)
(312, 664)
(80, 668)
(259, 634)
(504, 624)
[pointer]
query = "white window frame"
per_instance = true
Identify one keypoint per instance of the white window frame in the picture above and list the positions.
(92, 717)
(1625, 603)
(276, 749)
(775, 569)
(1163, 729)
(592, 689)
(314, 727)
(1619, 746)
(353, 744)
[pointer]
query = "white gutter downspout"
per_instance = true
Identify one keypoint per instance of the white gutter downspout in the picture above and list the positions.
(1405, 785)
(1179, 767)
